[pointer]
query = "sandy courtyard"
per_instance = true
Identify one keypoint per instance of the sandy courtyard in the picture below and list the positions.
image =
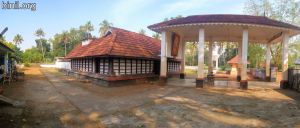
(54, 100)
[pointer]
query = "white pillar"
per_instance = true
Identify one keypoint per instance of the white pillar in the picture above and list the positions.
(6, 62)
(182, 66)
(210, 57)
(217, 62)
(285, 41)
(163, 55)
(244, 83)
(200, 73)
(268, 61)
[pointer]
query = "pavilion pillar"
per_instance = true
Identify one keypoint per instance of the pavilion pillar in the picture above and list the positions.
(285, 41)
(210, 58)
(217, 62)
(268, 62)
(238, 77)
(182, 64)
(163, 57)
(6, 62)
(200, 72)
(244, 79)
(94, 65)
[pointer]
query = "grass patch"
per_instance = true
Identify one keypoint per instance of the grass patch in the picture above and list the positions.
(190, 72)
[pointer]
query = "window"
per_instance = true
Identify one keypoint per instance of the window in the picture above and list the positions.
(173, 66)
(116, 66)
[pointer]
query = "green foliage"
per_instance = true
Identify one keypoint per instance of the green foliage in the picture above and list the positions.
(228, 54)
(256, 55)
(32, 55)
(225, 67)
(27, 64)
(142, 31)
(18, 39)
(66, 40)
(104, 26)
(156, 36)
(88, 27)
(282, 10)
(39, 33)
(171, 18)
(191, 54)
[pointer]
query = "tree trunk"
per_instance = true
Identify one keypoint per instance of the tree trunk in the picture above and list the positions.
(65, 49)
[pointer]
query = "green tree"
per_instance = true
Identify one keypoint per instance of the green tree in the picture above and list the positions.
(171, 18)
(88, 27)
(191, 53)
(40, 34)
(142, 31)
(104, 26)
(32, 55)
(282, 10)
(257, 53)
(65, 40)
(18, 39)
(156, 36)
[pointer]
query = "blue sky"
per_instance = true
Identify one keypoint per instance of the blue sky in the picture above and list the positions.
(54, 16)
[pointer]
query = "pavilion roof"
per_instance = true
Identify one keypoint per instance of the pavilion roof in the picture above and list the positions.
(4, 48)
(235, 60)
(223, 18)
(119, 42)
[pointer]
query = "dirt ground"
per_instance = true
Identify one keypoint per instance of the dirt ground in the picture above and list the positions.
(52, 99)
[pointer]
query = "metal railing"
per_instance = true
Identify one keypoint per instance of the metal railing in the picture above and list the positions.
(294, 78)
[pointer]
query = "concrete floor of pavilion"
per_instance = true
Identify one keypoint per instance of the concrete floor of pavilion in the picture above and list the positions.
(229, 82)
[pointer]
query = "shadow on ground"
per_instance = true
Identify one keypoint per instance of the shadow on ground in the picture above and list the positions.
(56, 100)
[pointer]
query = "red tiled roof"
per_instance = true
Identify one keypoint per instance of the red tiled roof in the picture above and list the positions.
(235, 60)
(119, 43)
(224, 18)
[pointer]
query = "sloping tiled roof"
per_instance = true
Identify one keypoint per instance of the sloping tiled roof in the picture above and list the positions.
(235, 60)
(224, 18)
(5, 48)
(119, 42)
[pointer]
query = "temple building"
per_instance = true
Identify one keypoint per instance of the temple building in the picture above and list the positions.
(119, 57)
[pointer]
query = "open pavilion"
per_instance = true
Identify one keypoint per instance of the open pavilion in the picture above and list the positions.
(242, 29)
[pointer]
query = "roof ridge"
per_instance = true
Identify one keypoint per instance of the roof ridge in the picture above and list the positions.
(114, 36)
(133, 32)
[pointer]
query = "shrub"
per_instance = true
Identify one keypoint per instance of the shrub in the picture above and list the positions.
(27, 64)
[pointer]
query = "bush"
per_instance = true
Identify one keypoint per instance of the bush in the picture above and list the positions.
(27, 65)
(225, 67)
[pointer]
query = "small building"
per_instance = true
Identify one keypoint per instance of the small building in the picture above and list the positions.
(62, 63)
(234, 65)
(119, 55)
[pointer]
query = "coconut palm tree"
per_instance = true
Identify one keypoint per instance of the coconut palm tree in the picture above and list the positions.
(40, 34)
(18, 39)
(88, 27)
(104, 26)
(65, 40)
